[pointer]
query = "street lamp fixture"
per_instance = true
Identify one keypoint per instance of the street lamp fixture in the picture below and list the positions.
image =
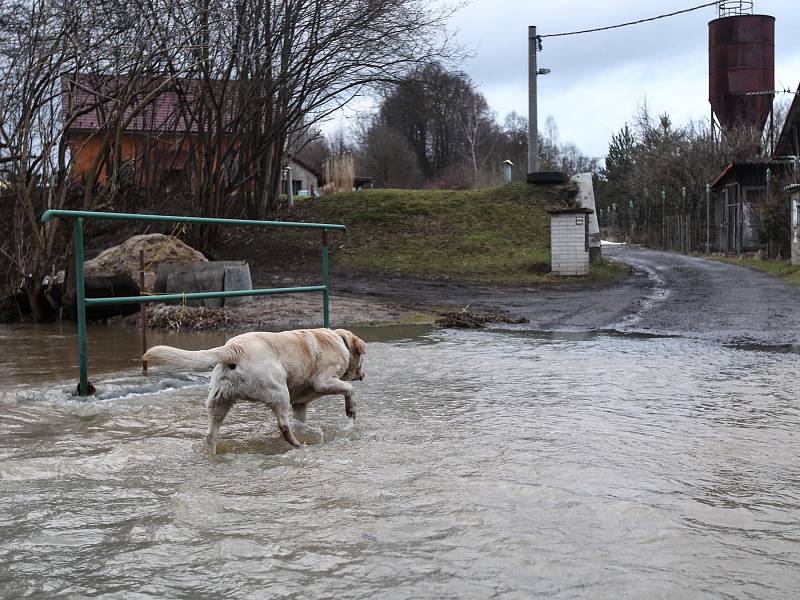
(543, 71)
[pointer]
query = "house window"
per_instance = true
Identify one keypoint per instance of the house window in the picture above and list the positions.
(297, 185)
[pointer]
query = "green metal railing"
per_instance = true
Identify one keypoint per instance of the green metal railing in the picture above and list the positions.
(83, 302)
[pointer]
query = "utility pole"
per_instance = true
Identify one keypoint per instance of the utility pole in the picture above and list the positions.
(533, 134)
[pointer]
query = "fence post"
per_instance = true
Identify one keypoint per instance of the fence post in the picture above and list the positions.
(80, 306)
(708, 219)
(663, 218)
(142, 312)
(325, 300)
(684, 222)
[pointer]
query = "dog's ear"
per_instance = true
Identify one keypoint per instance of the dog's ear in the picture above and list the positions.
(359, 346)
(354, 344)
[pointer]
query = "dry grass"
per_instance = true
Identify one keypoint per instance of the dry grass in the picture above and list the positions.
(339, 173)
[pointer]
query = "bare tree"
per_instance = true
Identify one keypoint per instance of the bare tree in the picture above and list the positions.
(53, 54)
(276, 68)
(387, 157)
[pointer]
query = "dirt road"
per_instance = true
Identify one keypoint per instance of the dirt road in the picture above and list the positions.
(703, 298)
(669, 294)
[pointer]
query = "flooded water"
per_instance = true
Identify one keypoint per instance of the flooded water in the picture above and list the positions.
(502, 464)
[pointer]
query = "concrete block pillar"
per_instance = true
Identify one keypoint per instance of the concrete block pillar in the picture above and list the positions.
(794, 190)
(569, 241)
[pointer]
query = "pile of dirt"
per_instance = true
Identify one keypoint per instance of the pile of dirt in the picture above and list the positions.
(158, 248)
(475, 320)
(189, 318)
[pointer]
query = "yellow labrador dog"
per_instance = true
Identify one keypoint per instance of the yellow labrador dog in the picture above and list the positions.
(282, 370)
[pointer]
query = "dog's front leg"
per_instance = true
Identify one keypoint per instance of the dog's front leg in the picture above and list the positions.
(350, 406)
(337, 386)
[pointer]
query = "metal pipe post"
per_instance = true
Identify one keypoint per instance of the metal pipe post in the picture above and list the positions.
(325, 300)
(142, 312)
(708, 219)
(80, 306)
(533, 133)
(289, 188)
(684, 233)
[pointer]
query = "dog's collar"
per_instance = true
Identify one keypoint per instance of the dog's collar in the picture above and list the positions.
(344, 339)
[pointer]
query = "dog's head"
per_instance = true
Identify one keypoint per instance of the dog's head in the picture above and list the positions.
(357, 348)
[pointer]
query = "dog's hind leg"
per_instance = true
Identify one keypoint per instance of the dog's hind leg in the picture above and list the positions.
(299, 411)
(281, 410)
(217, 408)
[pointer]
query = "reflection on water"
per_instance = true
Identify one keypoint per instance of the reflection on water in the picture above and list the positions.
(482, 464)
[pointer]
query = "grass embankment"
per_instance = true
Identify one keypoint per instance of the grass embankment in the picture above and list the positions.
(494, 235)
(782, 269)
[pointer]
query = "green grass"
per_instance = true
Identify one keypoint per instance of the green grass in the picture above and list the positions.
(782, 269)
(495, 235)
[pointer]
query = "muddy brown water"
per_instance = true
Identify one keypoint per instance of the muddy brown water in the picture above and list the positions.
(503, 464)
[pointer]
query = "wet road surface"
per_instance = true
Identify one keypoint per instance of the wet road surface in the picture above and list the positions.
(698, 297)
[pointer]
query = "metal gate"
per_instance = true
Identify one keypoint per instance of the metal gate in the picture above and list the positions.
(730, 222)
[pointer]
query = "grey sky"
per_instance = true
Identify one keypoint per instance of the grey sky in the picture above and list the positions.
(599, 79)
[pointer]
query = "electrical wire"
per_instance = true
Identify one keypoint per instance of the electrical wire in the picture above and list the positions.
(772, 92)
(672, 14)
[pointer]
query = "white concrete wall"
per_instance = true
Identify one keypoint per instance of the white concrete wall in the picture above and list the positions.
(585, 199)
(568, 244)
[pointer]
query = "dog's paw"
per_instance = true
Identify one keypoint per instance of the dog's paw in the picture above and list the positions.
(350, 408)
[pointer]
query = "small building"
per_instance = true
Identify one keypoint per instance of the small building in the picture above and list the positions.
(740, 188)
(788, 144)
(306, 180)
(155, 144)
(362, 183)
(569, 241)
(794, 191)
(738, 191)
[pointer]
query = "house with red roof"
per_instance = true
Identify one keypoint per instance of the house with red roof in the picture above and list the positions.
(152, 132)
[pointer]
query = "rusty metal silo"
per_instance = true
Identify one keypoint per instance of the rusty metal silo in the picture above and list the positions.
(741, 69)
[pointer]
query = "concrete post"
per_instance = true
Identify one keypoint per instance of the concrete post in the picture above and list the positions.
(585, 199)
(533, 134)
(794, 190)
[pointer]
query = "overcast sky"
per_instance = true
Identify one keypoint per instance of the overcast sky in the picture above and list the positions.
(599, 79)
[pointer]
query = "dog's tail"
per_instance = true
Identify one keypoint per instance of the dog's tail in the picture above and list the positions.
(194, 360)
